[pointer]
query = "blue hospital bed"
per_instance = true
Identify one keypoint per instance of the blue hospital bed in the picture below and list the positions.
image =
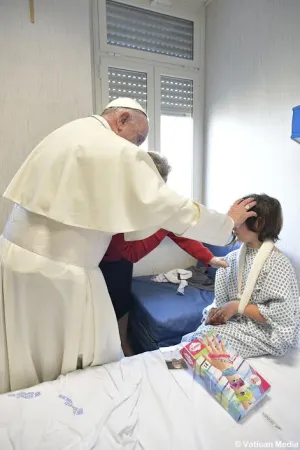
(160, 317)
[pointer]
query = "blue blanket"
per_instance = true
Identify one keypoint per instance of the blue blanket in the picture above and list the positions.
(160, 317)
(165, 315)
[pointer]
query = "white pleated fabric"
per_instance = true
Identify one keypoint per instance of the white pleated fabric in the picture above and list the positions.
(84, 175)
(55, 311)
(81, 185)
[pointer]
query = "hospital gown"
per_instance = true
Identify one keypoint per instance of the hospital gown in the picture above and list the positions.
(277, 298)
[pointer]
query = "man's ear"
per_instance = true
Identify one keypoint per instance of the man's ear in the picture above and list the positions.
(123, 118)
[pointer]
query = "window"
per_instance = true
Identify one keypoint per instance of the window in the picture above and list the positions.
(176, 131)
(127, 83)
(148, 31)
(176, 96)
(154, 58)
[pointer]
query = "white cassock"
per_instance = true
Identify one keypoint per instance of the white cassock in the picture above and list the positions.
(80, 185)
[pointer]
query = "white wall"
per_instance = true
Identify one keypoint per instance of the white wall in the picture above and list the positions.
(252, 83)
(45, 81)
(165, 257)
(45, 76)
(190, 6)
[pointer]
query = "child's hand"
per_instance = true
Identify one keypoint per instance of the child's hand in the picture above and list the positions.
(211, 313)
(222, 315)
(218, 262)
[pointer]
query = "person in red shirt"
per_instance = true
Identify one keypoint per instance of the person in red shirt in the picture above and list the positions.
(117, 263)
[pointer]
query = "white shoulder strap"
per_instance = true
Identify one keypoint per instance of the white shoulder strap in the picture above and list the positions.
(258, 263)
(241, 256)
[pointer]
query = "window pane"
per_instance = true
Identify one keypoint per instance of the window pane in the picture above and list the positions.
(176, 96)
(177, 131)
(128, 83)
(140, 29)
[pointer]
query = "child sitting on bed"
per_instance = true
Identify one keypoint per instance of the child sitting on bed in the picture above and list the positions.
(256, 307)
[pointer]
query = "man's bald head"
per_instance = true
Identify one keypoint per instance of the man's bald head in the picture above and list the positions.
(130, 124)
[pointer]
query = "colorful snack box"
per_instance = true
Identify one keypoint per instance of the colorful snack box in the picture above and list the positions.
(193, 350)
(225, 375)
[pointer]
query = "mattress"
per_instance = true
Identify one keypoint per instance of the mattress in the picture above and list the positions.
(160, 317)
(138, 404)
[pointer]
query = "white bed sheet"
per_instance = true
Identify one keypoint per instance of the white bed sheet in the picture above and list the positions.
(138, 404)
(274, 423)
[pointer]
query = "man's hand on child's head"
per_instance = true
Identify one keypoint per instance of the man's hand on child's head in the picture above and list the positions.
(240, 211)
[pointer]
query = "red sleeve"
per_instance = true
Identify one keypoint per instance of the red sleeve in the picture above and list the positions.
(133, 251)
(193, 248)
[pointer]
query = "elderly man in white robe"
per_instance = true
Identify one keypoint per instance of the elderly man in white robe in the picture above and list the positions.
(82, 184)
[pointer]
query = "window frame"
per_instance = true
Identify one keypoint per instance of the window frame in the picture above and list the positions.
(121, 63)
(108, 48)
(155, 65)
(197, 121)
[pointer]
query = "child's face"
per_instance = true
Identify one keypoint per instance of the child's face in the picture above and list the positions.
(245, 235)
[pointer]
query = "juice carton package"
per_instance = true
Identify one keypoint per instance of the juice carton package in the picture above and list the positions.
(225, 375)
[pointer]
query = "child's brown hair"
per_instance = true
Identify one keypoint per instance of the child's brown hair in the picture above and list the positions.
(269, 221)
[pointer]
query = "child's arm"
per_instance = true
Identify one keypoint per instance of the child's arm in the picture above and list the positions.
(221, 297)
(193, 248)
(221, 289)
(230, 309)
(282, 309)
(252, 311)
(221, 293)
(198, 251)
(134, 251)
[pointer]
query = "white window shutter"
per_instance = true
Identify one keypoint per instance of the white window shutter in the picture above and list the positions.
(127, 83)
(140, 29)
(176, 96)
